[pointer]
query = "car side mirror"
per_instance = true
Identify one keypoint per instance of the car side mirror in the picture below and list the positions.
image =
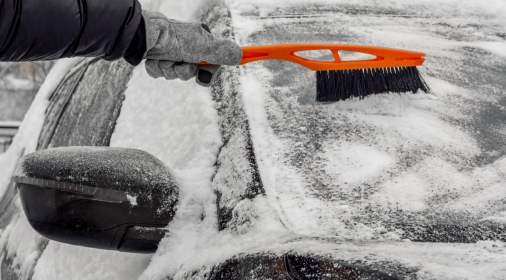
(100, 197)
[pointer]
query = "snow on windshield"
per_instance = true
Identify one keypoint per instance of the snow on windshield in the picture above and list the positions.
(367, 169)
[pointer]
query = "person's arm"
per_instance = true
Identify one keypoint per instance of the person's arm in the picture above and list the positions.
(112, 29)
(51, 29)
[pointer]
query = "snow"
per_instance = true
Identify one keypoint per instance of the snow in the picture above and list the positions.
(62, 261)
(498, 48)
(132, 200)
(21, 243)
(352, 163)
(493, 246)
(176, 122)
(444, 7)
(407, 193)
(183, 11)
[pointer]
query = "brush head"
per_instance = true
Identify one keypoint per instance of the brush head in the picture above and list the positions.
(336, 85)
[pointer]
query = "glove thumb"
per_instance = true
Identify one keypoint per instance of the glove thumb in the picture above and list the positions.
(221, 51)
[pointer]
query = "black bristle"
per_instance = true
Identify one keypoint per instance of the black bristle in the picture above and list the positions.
(339, 85)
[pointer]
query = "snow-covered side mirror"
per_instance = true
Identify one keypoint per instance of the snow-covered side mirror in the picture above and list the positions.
(99, 197)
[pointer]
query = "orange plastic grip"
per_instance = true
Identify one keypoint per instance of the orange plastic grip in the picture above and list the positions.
(384, 57)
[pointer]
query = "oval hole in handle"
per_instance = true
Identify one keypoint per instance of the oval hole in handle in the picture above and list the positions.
(355, 56)
(318, 55)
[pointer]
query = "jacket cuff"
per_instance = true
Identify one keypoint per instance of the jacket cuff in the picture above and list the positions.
(129, 29)
(136, 51)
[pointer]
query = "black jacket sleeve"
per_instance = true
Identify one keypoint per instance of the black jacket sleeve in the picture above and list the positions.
(51, 29)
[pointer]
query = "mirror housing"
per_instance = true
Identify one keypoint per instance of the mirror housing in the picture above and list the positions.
(100, 197)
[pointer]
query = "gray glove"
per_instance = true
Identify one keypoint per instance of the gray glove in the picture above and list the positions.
(174, 48)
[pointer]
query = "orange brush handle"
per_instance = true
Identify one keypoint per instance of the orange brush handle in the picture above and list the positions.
(385, 57)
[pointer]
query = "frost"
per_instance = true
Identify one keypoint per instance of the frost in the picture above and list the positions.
(132, 200)
(493, 246)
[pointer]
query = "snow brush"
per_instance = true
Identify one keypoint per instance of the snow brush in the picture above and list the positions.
(391, 70)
